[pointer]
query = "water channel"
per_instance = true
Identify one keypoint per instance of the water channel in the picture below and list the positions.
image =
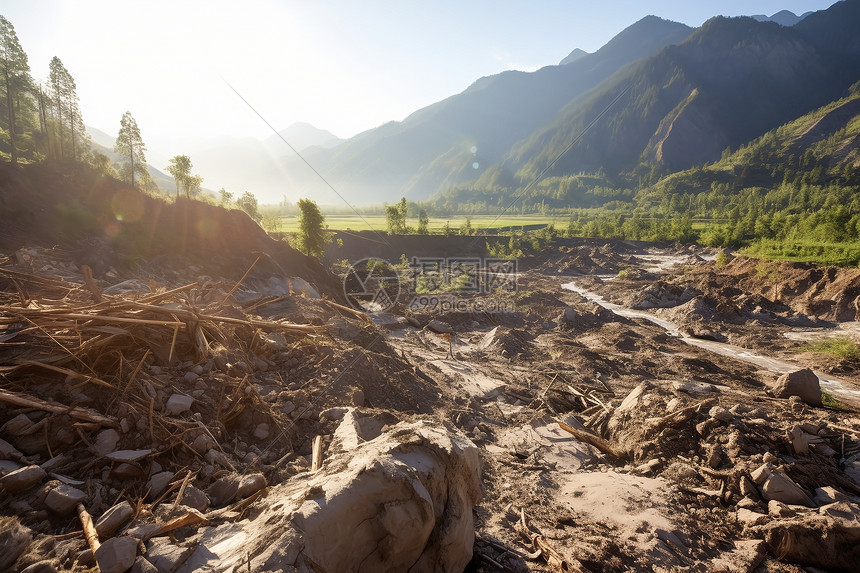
(841, 390)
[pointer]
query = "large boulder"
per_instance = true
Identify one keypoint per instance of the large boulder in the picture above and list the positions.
(802, 383)
(829, 539)
(393, 500)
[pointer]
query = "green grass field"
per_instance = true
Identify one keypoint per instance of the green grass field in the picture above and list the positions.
(377, 222)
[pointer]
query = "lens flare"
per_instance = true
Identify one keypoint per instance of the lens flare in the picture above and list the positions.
(127, 206)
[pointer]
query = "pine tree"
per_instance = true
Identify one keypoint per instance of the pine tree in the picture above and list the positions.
(180, 168)
(129, 143)
(66, 111)
(312, 234)
(17, 83)
(58, 85)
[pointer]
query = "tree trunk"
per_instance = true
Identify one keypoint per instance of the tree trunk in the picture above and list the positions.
(60, 123)
(11, 110)
(131, 156)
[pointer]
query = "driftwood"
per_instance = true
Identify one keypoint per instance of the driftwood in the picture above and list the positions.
(541, 547)
(89, 529)
(316, 457)
(76, 412)
(602, 444)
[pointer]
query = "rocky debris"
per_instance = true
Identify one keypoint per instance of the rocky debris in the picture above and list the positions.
(802, 383)
(829, 538)
(177, 404)
(116, 555)
(508, 342)
(64, 498)
(670, 439)
(22, 478)
(250, 484)
(404, 495)
(779, 487)
(663, 295)
(114, 518)
(106, 442)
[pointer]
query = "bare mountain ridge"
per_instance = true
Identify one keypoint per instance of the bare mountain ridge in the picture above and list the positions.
(452, 141)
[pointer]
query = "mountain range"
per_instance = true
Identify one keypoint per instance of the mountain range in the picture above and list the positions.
(659, 97)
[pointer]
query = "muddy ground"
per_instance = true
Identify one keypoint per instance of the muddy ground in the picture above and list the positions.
(668, 457)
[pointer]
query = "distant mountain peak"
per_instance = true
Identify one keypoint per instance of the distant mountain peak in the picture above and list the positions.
(783, 18)
(573, 56)
(302, 135)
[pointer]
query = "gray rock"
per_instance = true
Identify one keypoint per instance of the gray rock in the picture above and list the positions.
(63, 499)
(8, 451)
(802, 383)
(128, 455)
(18, 425)
(178, 403)
(223, 490)
(195, 499)
(86, 558)
(261, 432)
(158, 482)
(191, 377)
(780, 487)
(216, 457)
(117, 554)
(105, 442)
(22, 478)
(164, 555)
(358, 398)
(111, 520)
(141, 565)
(251, 484)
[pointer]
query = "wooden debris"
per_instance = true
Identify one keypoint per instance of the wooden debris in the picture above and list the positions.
(77, 412)
(604, 445)
(316, 457)
(191, 518)
(90, 532)
(542, 548)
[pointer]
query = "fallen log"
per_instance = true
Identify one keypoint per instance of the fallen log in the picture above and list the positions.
(604, 445)
(77, 412)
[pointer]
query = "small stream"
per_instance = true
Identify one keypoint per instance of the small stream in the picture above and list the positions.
(839, 388)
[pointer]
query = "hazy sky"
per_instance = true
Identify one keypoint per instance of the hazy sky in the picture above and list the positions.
(345, 66)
